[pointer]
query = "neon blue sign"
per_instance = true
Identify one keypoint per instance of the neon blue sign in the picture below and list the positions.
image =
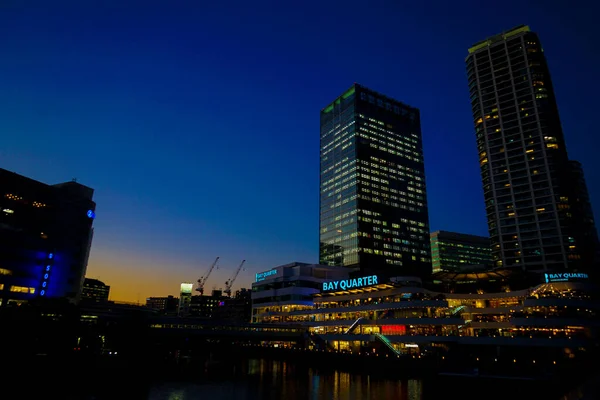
(565, 277)
(46, 275)
(91, 214)
(346, 284)
(261, 276)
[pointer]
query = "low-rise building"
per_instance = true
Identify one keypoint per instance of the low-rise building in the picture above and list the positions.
(164, 305)
(405, 316)
(204, 306)
(289, 287)
(238, 308)
(95, 290)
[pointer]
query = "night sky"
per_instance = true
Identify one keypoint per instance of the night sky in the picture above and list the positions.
(197, 123)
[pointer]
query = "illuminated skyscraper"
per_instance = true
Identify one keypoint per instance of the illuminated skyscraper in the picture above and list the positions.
(538, 211)
(373, 204)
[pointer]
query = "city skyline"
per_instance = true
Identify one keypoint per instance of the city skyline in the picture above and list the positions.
(130, 129)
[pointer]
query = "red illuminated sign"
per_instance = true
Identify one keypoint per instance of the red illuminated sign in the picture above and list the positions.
(393, 329)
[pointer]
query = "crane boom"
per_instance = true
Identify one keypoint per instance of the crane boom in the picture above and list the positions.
(229, 283)
(203, 279)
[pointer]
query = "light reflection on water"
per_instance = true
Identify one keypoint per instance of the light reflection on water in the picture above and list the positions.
(266, 379)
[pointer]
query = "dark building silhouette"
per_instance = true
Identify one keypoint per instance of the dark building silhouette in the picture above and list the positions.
(373, 203)
(164, 305)
(95, 290)
(45, 238)
(451, 251)
(531, 195)
(580, 210)
(236, 309)
(204, 306)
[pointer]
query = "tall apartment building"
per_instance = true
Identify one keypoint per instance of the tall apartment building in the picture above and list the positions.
(373, 202)
(45, 238)
(535, 197)
(451, 251)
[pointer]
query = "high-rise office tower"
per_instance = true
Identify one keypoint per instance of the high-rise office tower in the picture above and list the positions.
(373, 203)
(531, 189)
(45, 238)
(452, 251)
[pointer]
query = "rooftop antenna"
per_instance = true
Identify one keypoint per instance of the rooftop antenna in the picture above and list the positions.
(74, 180)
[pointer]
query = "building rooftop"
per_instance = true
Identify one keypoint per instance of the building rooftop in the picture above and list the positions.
(459, 236)
(463, 276)
(352, 90)
(496, 38)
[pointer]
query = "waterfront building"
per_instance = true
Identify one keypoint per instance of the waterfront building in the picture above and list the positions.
(164, 305)
(451, 251)
(289, 287)
(537, 205)
(95, 290)
(373, 201)
(185, 299)
(45, 238)
(406, 316)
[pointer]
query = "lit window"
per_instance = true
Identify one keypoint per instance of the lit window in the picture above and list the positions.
(22, 289)
(5, 271)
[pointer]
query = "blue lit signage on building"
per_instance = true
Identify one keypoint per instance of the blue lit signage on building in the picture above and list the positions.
(261, 276)
(46, 275)
(346, 284)
(565, 277)
(91, 214)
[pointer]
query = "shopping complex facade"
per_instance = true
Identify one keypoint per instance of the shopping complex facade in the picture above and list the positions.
(399, 316)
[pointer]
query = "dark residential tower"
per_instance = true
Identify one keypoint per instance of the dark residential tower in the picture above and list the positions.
(534, 195)
(373, 203)
(45, 238)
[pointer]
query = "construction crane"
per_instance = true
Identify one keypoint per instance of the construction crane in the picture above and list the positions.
(203, 279)
(229, 283)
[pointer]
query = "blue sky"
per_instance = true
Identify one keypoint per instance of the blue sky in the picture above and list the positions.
(197, 123)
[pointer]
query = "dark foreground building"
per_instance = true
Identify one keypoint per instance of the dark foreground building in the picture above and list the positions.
(373, 203)
(45, 238)
(538, 211)
(451, 251)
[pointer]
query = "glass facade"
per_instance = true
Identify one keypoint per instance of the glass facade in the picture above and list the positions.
(528, 184)
(452, 251)
(373, 203)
